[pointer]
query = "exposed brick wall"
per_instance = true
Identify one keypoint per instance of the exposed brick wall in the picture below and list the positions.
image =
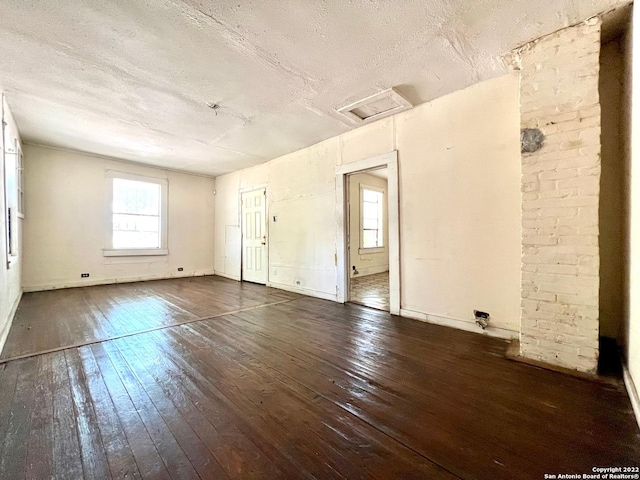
(560, 193)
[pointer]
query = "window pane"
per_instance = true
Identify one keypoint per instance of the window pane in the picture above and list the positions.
(372, 213)
(131, 196)
(369, 238)
(370, 223)
(136, 231)
(370, 196)
(135, 240)
(370, 210)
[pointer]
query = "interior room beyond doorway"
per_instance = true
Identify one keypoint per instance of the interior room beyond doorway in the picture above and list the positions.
(369, 238)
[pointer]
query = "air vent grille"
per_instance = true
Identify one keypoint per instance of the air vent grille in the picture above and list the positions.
(376, 106)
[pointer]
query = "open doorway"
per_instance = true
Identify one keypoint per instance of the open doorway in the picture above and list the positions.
(368, 238)
(390, 238)
(614, 199)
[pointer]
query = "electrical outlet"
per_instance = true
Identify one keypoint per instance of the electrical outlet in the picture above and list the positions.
(482, 318)
(84, 275)
(180, 269)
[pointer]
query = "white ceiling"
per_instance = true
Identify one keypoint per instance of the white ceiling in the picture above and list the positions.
(131, 79)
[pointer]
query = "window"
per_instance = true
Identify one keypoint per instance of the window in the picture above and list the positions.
(13, 188)
(137, 215)
(371, 218)
(19, 181)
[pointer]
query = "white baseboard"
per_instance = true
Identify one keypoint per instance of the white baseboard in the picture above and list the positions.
(633, 392)
(5, 331)
(459, 324)
(227, 275)
(111, 281)
(364, 271)
(303, 291)
(289, 288)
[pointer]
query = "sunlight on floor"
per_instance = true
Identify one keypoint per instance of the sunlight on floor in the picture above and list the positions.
(371, 290)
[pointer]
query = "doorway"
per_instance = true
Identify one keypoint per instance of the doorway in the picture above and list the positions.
(389, 162)
(254, 236)
(368, 238)
(614, 197)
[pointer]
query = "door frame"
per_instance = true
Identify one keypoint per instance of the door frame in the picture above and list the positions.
(390, 161)
(266, 226)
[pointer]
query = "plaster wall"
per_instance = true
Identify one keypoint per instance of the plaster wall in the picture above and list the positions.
(632, 321)
(301, 239)
(459, 206)
(66, 222)
(366, 263)
(10, 277)
(459, 215)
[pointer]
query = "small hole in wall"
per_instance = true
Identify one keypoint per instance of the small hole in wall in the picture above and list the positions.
(531, 140)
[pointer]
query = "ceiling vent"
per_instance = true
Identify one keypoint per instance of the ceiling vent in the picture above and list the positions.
(376, 106)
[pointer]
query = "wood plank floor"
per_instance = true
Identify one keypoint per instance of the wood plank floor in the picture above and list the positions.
(75, 316)
(371, 290)
(302, 389)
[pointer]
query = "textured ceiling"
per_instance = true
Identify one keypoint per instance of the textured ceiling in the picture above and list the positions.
(131, 79)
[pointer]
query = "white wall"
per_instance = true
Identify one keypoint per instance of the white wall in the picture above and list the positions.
(301, 194)
(632, 350)
(460, 204)
(366, 263)
(64, 228)
(10, 291)
(459, 162)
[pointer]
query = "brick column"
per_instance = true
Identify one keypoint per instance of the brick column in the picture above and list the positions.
(561, 186)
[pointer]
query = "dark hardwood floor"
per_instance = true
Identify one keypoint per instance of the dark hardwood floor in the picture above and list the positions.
(76, 316)
(305, 388)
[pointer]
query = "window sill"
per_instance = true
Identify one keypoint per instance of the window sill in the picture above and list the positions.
(366, 251)
(135, 252)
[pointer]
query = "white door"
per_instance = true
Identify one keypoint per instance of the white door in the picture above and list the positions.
(254, 236)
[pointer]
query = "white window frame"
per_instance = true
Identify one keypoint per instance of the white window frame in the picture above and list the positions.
(19, 181)
(11, 192)
(109, 251)
(368, 250)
